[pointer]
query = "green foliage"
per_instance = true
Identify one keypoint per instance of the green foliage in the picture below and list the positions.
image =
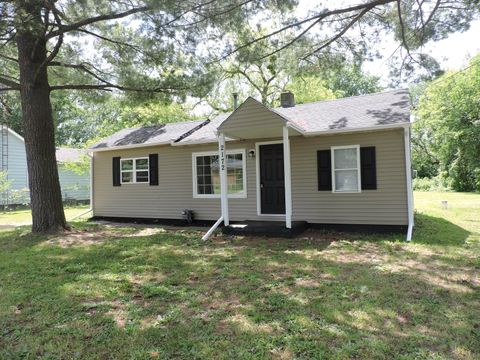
(309, 89)
(20, 196)
(11, 111)
(81, 167)
(428, 184)
(448, 128)
(349, 80)
(134, 114)
(5, 183)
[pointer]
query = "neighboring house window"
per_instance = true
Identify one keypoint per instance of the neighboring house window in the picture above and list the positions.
(206, 171)
(134, 170)
(346, 168)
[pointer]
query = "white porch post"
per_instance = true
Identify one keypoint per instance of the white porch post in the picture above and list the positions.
(288, 178)
(222, 159)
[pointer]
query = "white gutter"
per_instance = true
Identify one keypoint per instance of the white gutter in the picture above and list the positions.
(288, 178)
(351, 130)
(408, 176)
(212, 229)
(91, 182)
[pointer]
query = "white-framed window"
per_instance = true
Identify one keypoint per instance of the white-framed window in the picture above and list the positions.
(206, 174)
(346, 169)
(134, 170)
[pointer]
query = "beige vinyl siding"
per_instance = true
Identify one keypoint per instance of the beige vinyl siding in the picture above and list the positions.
(175, 190)
(387, 205)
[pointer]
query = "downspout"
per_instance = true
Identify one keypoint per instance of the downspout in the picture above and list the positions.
(408, 175)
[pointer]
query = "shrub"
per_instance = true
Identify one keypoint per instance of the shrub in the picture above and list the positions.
(429, 184)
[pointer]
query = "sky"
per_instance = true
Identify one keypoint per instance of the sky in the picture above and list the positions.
(452, 53)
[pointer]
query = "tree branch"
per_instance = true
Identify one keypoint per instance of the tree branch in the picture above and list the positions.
(402, 27)
(322, 15)
(75, 26)
(9, 58)
(11, 85)
(341, 33)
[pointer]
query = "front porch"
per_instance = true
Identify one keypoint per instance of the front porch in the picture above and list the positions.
(252, 121)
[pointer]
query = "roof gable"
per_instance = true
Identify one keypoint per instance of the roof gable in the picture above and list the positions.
(252, 119)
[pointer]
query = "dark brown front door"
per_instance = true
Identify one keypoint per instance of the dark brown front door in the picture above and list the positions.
(272, 183)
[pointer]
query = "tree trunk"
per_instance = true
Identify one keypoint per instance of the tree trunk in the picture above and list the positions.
(45, 193)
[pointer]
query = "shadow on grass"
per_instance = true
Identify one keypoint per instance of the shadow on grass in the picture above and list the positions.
(433, 230)
(175, 296)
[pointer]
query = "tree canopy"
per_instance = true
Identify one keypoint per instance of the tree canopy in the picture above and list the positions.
(447, 133)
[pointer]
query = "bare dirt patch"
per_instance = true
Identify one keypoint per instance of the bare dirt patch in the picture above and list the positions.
(79, 238)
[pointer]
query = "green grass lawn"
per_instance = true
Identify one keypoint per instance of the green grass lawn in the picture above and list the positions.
(23, 217)
(145, 293)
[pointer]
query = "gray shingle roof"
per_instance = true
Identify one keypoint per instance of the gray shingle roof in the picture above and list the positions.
(149, 135)
(355, 113)
(207, 132)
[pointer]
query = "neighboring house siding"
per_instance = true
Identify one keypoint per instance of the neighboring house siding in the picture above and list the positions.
(73, 185)
(17, 168)
(387, 205)
(76, 186)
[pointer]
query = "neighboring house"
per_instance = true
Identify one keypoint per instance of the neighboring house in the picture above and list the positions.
(14, 161)
(336, 162)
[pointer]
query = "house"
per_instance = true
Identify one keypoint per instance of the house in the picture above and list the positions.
(13, 160)
(343, 162)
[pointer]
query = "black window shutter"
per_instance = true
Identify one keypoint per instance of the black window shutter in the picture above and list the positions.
(324, 167)
(153, 165)
(368, 168)
(116, 171)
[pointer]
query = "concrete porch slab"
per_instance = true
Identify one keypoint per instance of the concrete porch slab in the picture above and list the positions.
(265, 228)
